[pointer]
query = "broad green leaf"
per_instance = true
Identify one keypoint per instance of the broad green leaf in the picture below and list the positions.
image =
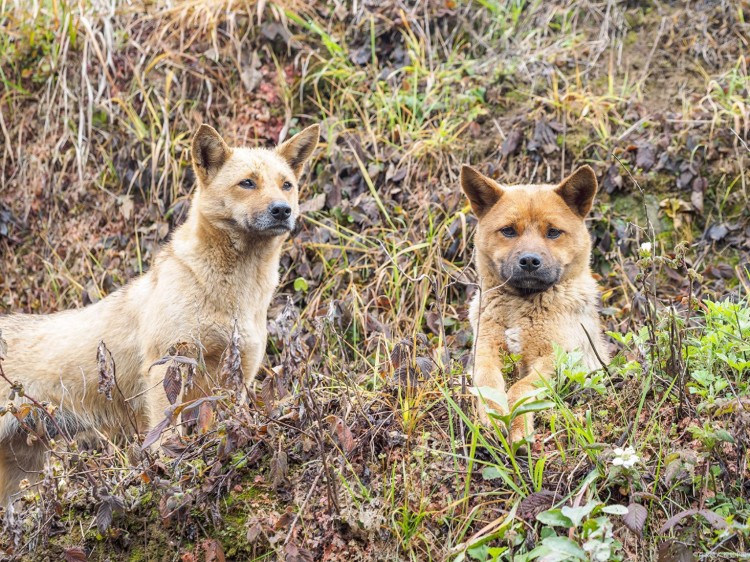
(565, 546)
(577, 514)
(492, 473)
(724, 435)
(479, 552)
(555, 518)
(530, 396)
(536, 406)
(491, 395)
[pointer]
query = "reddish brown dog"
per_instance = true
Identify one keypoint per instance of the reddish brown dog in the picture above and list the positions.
(532, 256)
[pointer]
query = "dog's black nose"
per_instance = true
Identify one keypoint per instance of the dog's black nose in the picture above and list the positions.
(530, 262)
(280, 210)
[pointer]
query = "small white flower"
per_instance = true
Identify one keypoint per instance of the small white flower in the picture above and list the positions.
(627, 457)
(645, 250)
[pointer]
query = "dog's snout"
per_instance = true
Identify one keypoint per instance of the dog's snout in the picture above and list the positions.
(530, 262)
(280, 210)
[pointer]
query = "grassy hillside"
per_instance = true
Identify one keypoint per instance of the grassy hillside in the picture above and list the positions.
(359, 442)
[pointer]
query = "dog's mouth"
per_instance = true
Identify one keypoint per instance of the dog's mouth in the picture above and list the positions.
(266, 227)
(529, 286)
(277, 230)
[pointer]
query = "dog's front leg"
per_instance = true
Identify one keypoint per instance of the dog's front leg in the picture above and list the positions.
(18, 460)
(251, 356)
(537, 370)
(489, 349)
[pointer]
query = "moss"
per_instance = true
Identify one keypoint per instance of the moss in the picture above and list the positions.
(514, 96)
(629, 206)
(239, 507)
(576, 141)
(248, 492)
(657, 182)
(128, 539)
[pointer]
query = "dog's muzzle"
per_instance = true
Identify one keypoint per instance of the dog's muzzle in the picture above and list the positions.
(529, 274)
(276, 220)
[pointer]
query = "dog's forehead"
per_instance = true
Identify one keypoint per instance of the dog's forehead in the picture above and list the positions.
(257, 161)
(538, 203)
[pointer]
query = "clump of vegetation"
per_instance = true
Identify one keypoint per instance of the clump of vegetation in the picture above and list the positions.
(358, 439)
(641, 486)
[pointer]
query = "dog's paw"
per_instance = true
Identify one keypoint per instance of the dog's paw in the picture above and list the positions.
(485, 407)
(482, 415)
(522, 429)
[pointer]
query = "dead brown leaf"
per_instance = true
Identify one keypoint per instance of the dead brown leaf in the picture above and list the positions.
(75, 554)
(343, 434)
(213, 551)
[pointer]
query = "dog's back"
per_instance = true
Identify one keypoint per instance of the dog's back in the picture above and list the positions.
(55, 356)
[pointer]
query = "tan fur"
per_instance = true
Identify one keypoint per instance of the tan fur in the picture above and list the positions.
(506, 319)
(220, 267)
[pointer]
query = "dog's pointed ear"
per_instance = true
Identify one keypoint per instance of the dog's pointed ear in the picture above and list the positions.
(209, 152)
(298, 149)
(483, 192)
(578, 190)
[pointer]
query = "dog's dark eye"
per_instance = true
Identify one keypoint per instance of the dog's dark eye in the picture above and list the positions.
(286, 186)
(247, 184)
(553, 233)
(508, 231)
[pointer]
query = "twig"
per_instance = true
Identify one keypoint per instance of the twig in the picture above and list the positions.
(651, 311)
(39, 406)
(739, 138)
(645, 73)
(632, 128)
(596, 352)
(132, 416)
(312, 406)
(624, 436)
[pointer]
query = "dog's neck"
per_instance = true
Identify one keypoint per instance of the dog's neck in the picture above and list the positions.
(225, 254)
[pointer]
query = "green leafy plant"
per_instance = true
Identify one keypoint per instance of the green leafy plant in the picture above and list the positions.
(571, 373)
(719, 354)
(590, 534)
(531, 403)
